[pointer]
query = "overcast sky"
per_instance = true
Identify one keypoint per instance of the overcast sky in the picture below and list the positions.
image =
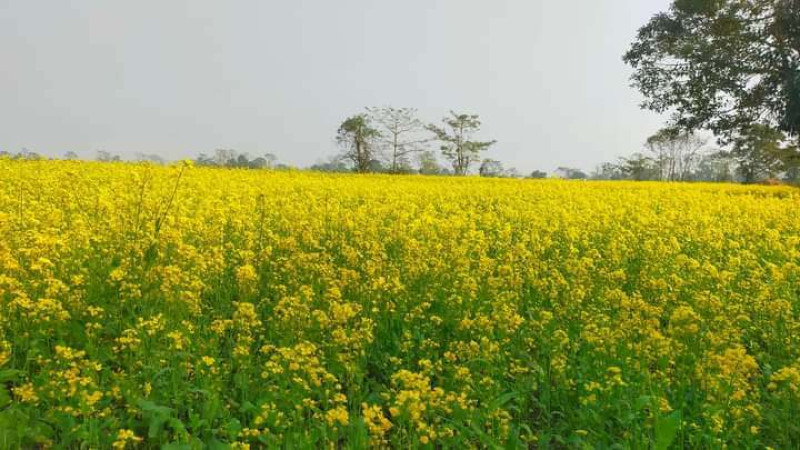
(177, 78)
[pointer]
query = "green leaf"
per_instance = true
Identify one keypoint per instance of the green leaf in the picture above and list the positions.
(156, 423)
(248, 407)
(502, 400)
(5, 397)
(10, 375)
(176, 446)
(151, 408)
(214, 444)
(645, 401)
(9, 423)
(233, 428)
(666, 430)
(177, 426)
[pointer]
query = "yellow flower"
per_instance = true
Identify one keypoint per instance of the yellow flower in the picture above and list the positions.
(338, 415)
(377, 424)
(25, 393)
(246, 273)
(93, 398)
(125, 436)
(446, 304)
(5, 352)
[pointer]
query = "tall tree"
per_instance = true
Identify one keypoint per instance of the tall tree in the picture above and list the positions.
(722, 65)
(491, 168)
(456, 138)
(760, 153)
(427, 163)
(105, 156)
(332, 164)
(154, 158)
(792, 173)
(571, 173)
(270, 160)
(225, 156)
(608, 171)
(675, 153)
(638, 167)
(715, 166)
(357, 136)
(204, 160)
(242, 160)
(400, 134)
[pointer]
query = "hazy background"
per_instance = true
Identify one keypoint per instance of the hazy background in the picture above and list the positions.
(178, 78)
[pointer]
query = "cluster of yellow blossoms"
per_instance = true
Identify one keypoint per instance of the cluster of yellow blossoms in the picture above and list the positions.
(142, 306)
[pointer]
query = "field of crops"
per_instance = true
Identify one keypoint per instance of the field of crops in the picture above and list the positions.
(145, 306)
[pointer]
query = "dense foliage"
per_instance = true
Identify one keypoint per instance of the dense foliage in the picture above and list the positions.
(199, 308)
(722, 65)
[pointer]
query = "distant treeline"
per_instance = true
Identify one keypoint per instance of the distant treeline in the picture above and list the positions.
(671, 156)
(681, 158)
(392, 140)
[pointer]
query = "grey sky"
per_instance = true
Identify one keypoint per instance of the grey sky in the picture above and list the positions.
(178, 78)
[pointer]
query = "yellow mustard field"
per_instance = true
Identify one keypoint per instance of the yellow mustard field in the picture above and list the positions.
(183, 307)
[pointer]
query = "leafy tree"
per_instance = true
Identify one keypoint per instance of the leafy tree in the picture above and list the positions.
(608, 171)
(722, 65)
(105, 156)
(793, 171)
(456, 138)
(760, 153)
(242, 160)
(225, 157)
(571, 173)
(491, 168)
(538, 174)
(70, 156)
(31, 155)
(428, 164)
(400, 134)
(150, 157)
(404, 166)
(358, 137)
(675, 153)
(204, 160)
(270, 160)
(376, 166)
(715, 166)
(334, 164)
(258, 163)
(639, 167)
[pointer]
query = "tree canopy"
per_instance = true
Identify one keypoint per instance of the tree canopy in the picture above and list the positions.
(456, 137)
(399, 130)
(722, 65)
(357, 135)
